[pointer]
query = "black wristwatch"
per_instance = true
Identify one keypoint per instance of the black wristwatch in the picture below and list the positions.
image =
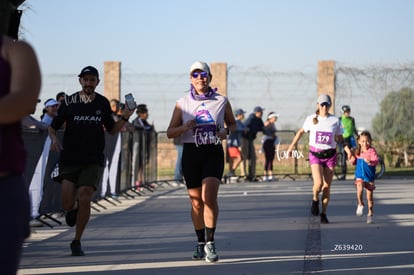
(124, 119)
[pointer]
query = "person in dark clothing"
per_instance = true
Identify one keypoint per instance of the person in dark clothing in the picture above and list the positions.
(20, 81)
(269, 141)
(254, 124)
(87, 116)
(144, 141)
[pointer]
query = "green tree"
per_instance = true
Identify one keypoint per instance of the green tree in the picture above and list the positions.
(394, 124)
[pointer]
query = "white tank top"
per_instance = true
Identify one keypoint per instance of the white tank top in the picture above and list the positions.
(209, 115)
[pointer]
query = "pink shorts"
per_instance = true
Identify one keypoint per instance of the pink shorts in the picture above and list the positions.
(329, 162)
(368, 185)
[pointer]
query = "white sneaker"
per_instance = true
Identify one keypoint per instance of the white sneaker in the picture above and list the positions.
(370, 219)
(210, 252)
(360, 211)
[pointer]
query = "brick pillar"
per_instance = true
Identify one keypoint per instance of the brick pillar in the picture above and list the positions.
(326, 80)
(112, 79)
(219, 81)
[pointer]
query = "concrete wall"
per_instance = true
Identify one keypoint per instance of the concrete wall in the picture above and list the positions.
(112, 80)
(326, 80)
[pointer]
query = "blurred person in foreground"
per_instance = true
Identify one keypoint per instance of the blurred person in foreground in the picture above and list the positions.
(20, 78)
(87, 115)
(199, 117)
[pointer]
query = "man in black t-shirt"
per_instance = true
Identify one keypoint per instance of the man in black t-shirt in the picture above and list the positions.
(87, 116)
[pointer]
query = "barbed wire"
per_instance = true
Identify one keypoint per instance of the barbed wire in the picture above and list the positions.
(291, 94)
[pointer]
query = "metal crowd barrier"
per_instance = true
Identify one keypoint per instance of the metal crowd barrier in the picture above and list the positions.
(130, 157)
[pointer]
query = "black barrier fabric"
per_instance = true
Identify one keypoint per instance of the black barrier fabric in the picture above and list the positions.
(138, 152)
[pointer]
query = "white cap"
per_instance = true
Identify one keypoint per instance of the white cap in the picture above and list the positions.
(272, 115)
(198, 65)
(324, 99)
(51, 102)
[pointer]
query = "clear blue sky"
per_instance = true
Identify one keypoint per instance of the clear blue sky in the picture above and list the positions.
(168, 35)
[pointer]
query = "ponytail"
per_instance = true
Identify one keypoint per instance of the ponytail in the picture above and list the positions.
(315, 119)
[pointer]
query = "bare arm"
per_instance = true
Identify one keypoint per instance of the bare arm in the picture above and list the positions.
(229, 118)
(296, 139)
(230, 122)
(176, 127)
(55, 142)
(126, 113)
(25, 81)
(348, 151)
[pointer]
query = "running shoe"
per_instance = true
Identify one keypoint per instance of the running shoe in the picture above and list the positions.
(360, 211)
(71, 217)
(324, 218)
(211, 254)
(76, 248)
(370, 219)
(199, 252)
(315, 208)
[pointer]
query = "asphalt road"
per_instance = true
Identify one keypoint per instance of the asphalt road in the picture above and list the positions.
(264, 228)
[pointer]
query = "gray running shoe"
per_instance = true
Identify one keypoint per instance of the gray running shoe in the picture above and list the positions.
(211, 254)
(199, 252)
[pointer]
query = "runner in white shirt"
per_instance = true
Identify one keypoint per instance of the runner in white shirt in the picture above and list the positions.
(324, 133)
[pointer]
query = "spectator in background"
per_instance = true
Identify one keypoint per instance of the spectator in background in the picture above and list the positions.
(20, 82)
(254, 124)
(349, 134)
(49, 111)
(29, 122)
(116, 109)
(234, 144)
(178, 171)
(269, 144)
(60, 97)
(145, 128)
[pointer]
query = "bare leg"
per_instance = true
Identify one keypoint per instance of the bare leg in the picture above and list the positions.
(360, 190)
(370, 199)
(326, 189)
(84, 210)
(197, 208)
(68, 195)
(317, 181)
(209, 194)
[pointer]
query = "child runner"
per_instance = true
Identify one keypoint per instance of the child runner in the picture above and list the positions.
(366, 160)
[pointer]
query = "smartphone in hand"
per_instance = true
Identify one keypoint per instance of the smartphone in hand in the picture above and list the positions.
(130, 101)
